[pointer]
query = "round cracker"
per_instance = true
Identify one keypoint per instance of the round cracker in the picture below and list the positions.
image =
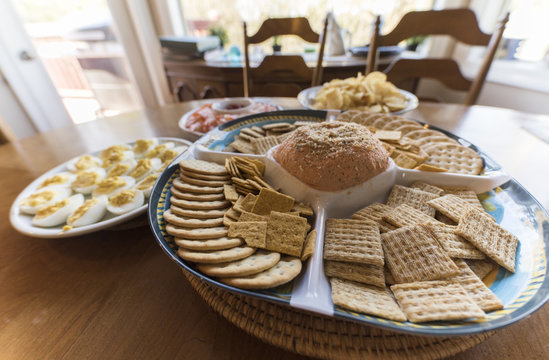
(260, 261)
(200, 205)
(216, 256)
(427, 140)
(203, 167)
(196, 197)
(221, 243)
(454, 158)
(188, 222)
(183, 186)
(197, 214)
(206, 177)
(421, 133)
(198, 233)
(284, 271)
(348, 115)
(210, 183)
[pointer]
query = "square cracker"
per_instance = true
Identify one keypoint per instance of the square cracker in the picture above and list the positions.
(254, 233)
(264, 144)
(405, 215)
(366, 299)
(481, 268)
(362, 273)
(269, 200)
(248, 216)
(477, 290)
(286, 233)
(413, 254)
(427, 187)
(490, 238)
(413, 197)
(435, 300)
(455, 245)
(245, 203)
(465, 193)
(452, 206)
(353, 241)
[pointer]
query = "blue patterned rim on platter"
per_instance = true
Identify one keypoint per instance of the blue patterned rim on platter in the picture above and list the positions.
(511, 205)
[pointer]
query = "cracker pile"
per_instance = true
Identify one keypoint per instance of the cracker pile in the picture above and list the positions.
(399, 261)
(235, 227)
(414, 146)
(259, 139)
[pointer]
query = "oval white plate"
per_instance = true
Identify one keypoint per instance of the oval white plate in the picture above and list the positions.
(307, 98)
(22, 222)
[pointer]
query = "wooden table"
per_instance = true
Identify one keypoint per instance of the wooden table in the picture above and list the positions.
(115, 295)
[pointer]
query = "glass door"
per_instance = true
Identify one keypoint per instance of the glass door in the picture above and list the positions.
(76, 43)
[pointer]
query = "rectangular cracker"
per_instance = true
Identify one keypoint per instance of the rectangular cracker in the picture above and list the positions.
(455, 245)
(248, 216)
(245, 203)
(451, 205)
(427, 187)
(428, 167)
(270, 200)
(362, 273)
(412, 253)
(233, 214)
(302, 209)
(286, 233)
(230, 193)
(413, 197)
(264, 144)
(477, 290)
(254, 233)
(435, 300)
(366, 299)
(353, 241)
(490, 238)
(405, 215)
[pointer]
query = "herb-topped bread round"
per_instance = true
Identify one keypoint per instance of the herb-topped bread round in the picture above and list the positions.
(332, 156)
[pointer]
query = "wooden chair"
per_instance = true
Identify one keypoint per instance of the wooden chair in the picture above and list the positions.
(462, 25)
(282, 75)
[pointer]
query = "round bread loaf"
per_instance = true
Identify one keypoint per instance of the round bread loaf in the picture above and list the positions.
(332, 156)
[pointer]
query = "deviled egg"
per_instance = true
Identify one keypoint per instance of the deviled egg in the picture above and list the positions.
(57, 213)
(90, 212)
(125, 201)
(142, 146)
(86, 181)
(62, 179)
(111, 150)
(84, 162)
(33, 202)
(113, 185)
(117, 157)
(170, 154)
(145, 167)
(147, 183)
(159, 149)
(122, 168)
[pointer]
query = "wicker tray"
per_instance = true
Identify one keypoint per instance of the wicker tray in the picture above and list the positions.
(324, 337)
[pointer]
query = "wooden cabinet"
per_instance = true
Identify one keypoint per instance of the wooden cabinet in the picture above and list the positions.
(198, 79)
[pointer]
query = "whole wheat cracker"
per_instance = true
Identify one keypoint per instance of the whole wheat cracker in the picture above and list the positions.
(405, 215)
(476, 289)
(451, 205)
(427, 187)
(365, 299)
(286, 233)
(263, 145)
(269, 200)
(490, 238)
(464, 193)
(229, 192)
(353, 241)
(455, 245)
(412, 253)
(413, 197)
(435, 300)
(248, 216)
(362, 273)
(481, 267)
(254, 233)
(309, 245)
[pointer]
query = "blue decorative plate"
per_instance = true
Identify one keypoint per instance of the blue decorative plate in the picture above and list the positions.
(510, 204)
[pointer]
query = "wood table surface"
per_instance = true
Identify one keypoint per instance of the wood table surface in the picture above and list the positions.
(115, 295)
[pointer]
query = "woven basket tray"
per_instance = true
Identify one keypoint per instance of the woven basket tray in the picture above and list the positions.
(321, 336)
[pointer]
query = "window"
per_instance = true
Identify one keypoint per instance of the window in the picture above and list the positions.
(355, 16)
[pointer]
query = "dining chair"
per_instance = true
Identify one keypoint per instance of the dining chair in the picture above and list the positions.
(279, 74)
(462, 25)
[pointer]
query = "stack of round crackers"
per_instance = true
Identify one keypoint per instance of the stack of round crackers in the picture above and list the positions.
(199, 218)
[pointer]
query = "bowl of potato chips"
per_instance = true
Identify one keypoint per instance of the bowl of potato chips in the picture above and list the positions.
(371, 93)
